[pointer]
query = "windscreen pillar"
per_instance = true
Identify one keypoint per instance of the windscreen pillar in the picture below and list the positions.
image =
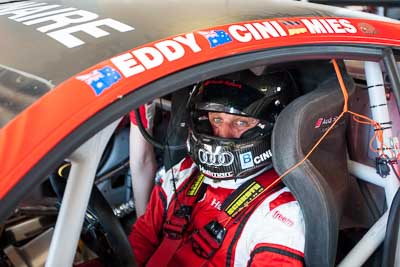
(84, 162)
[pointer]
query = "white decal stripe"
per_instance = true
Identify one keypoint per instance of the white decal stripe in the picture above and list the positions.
(43, 14)
(28, 11)
(65, 36)
(9, 8)
(61, 23)
(62, 20)
(179, 176)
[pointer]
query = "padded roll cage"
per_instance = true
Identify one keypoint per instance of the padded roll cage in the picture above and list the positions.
(375, 236)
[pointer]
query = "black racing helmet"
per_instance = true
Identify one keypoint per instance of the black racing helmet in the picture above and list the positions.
(245, 94)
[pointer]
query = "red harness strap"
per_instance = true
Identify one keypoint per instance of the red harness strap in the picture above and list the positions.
(177, 221)
(207, 240)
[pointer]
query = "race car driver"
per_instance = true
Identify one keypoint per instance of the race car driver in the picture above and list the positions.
(220, 206)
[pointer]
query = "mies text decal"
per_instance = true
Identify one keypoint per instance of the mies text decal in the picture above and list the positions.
(318, 26)
(61, 23)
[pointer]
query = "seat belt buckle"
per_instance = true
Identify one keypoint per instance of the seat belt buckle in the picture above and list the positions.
(176, 226)
(208, 240)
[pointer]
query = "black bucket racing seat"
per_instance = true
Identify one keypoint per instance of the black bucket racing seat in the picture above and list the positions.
(321, 183)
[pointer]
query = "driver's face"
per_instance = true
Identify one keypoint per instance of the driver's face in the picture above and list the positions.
(230, 126)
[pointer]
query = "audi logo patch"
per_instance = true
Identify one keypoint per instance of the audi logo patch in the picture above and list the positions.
(215, 159)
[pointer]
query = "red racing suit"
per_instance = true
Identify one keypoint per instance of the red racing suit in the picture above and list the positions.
(272, 234)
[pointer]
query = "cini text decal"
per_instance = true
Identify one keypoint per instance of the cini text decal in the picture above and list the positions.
(247, 160)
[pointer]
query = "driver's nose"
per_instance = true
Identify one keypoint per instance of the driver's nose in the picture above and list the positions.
(225, 131)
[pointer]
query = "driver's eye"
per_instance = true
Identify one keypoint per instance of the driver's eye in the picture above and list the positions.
(241, 123)
(216, 120)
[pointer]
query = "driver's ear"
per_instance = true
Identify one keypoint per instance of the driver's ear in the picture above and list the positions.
(201, 123)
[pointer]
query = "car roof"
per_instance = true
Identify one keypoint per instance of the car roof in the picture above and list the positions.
(37, 46)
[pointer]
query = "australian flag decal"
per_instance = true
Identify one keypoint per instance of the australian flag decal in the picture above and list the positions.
(100, 80)
(216, 38)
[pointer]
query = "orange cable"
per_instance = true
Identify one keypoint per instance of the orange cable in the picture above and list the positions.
(342, 85)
